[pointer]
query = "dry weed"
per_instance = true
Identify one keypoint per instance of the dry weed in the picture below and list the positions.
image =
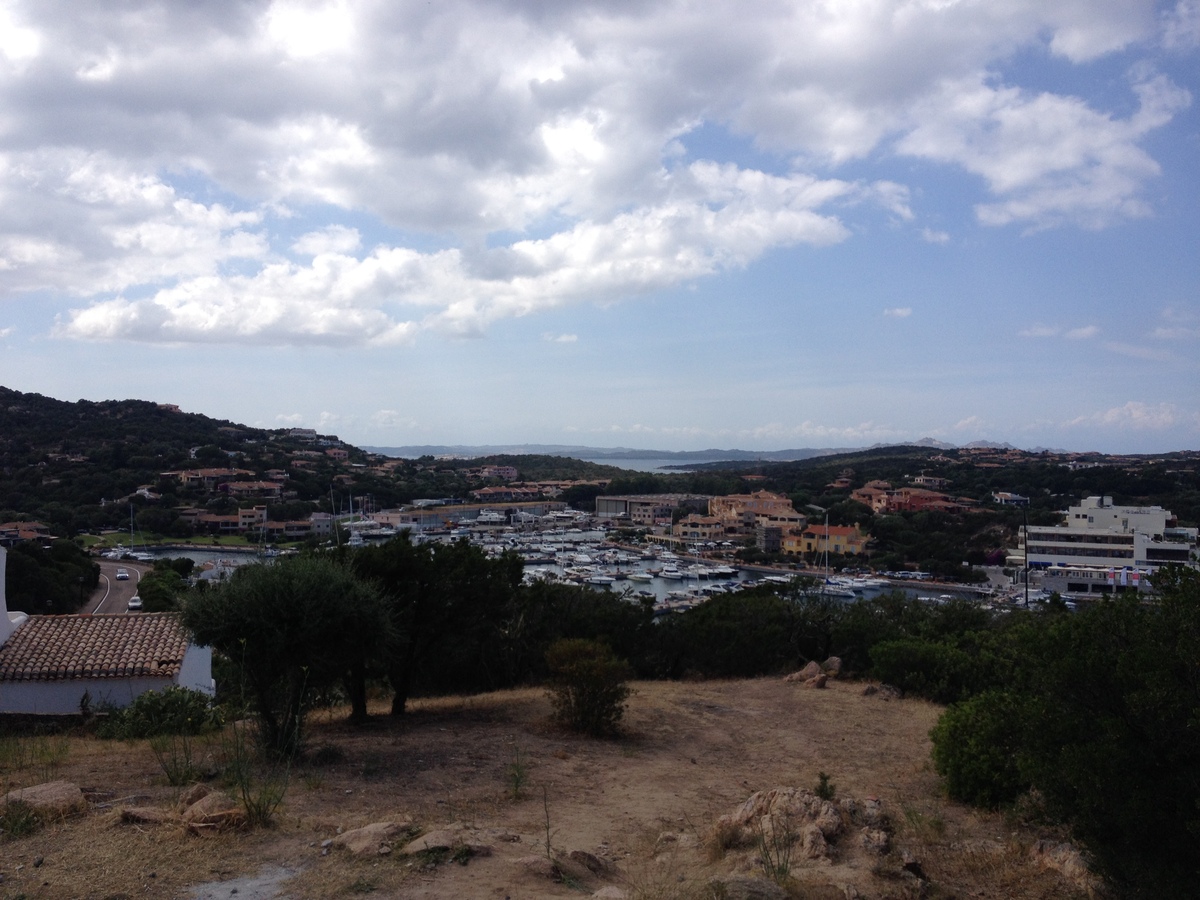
(669, 875)
(721, 838)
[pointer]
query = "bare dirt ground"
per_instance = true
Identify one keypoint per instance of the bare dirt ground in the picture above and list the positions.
(646, 803)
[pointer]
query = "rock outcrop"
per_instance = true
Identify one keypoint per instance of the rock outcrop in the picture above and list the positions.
(373, 839)
(52, 800)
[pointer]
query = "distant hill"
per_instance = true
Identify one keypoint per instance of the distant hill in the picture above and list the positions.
(84, 465)
(619, 453)
(473, 451)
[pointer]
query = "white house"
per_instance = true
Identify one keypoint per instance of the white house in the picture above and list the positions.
(49, 664)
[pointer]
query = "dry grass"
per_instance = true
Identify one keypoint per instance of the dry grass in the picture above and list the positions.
(692, 751)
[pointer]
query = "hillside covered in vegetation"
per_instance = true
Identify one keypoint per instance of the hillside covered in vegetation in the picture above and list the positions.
(81, 466)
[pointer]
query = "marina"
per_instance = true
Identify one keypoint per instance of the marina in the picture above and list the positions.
(568, 548)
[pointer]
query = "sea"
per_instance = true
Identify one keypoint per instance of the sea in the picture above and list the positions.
(655, 464)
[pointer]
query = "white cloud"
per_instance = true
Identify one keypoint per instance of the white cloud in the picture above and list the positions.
(898, 312)
(327, 421)
(972, 424)
(555, 136)
(1080, 333)
(390, 418)
(1181, 26)
(103, 226)
(306, 30)
(18, 42)
(1049, 159)
(845, 435)
(560, 338)
(722, 218)
(334, 239)
(1175, 333)
(1136, 415)
(1180, 325)
(1137, 351)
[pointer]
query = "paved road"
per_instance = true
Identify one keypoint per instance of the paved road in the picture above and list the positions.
(112, 596)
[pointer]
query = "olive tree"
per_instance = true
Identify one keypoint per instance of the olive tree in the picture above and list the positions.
(290, 629)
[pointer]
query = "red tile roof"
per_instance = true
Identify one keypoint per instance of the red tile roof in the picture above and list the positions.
(53, 648)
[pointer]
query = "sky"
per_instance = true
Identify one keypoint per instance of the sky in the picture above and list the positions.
(639, 223)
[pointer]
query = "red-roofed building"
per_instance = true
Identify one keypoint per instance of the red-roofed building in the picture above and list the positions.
(49, 664)
(12, 532)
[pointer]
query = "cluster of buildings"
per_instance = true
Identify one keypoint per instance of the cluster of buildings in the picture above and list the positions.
(776, 526)
(924, 493)
(15, 532)
(248, 487)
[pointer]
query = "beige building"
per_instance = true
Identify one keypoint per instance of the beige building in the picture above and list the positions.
(699, 528)
(841, 539)
(746, 512)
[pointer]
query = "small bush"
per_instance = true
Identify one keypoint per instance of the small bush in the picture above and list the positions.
(825, 789)
(587, 686)
(976, 749)
(174, 753)
(18, 819)
(174, 710)
(260, 788)
(517, 774)
(775, 840)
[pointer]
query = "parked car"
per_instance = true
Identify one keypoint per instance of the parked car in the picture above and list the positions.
(122, 574)
(135, 603)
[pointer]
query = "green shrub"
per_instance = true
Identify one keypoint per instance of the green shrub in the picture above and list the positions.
(1098, 715)
(587, 686)
(174, 710)
(825, 789)
(976, 749)
(937, 671)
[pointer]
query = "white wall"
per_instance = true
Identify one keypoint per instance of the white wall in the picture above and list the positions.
(62, 698)
(195, 672)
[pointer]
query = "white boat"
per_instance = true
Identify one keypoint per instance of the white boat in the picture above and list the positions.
(840, 593)
(643, 577)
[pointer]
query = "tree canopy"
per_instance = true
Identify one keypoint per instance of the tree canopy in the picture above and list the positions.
(290, 630)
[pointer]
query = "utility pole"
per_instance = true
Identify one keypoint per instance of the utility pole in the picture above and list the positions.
(1025, 544)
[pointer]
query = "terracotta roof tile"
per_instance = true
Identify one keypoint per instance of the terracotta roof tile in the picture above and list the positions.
(51, 648)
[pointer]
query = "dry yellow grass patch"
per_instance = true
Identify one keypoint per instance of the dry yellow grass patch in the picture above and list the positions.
(692, 752)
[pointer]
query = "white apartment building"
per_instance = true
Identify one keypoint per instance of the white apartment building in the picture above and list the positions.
(1098, 534)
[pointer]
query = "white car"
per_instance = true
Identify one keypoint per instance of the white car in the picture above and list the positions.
(135, 603)
(122, 574)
